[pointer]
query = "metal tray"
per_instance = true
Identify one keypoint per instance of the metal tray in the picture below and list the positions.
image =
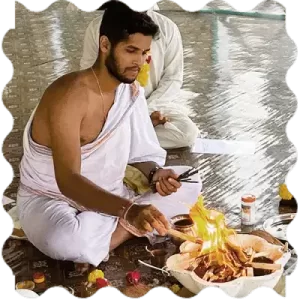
(277, 226)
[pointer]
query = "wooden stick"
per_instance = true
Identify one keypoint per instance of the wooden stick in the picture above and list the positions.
(265, 266)
(250, 272)
(260, 254)
(184, 236)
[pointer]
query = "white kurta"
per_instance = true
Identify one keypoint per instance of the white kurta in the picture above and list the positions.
(59, 227)
(163, 91)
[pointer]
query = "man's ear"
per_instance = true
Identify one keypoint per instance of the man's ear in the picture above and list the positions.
(104, 44)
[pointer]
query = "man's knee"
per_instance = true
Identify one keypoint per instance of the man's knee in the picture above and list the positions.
(178, 133)
(61, 243)
(191, 133)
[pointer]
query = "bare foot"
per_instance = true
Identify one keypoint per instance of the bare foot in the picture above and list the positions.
(119, 236)
(82, 267)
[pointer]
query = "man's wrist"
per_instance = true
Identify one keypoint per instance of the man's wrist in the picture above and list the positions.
(131, 211)
(124, 209)
(152, 173)
(148, 168)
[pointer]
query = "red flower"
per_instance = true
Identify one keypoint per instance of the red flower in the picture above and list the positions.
(101, 282)
(133, 277)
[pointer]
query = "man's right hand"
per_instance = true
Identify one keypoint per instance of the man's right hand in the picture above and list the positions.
(158, 118)
(146, 218)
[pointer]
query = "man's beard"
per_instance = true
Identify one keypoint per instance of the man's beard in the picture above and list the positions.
(114, 70)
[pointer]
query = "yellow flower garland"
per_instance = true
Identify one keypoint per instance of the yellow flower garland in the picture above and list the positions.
(143, 75)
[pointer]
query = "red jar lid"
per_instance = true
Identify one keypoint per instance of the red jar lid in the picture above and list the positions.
(38, 275)
(248, 198)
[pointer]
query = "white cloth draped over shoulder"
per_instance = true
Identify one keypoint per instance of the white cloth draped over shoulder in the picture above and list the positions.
(163, 90)
(118, 139)
(58, 226)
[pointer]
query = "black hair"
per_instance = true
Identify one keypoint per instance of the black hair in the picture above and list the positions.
(119, 21)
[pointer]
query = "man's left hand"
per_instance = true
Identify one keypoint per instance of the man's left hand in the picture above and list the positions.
(166, 182)
(158, 118)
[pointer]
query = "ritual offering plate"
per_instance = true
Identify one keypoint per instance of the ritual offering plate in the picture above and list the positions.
(277, 226)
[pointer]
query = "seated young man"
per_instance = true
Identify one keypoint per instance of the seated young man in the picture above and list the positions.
(162, 77)
(72, 202)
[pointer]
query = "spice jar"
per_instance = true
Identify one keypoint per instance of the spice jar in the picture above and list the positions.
(248, 210)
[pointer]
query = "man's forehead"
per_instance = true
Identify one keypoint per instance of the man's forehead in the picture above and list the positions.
(138, 40)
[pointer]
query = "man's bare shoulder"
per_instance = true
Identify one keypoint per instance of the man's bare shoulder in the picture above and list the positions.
(71, 86)
(66, 84)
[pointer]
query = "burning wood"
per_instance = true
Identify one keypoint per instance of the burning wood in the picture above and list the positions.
(262, 266)
(222, 257)
(231, 267)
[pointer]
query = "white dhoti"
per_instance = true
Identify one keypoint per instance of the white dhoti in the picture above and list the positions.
(64, 233)
(61, 228)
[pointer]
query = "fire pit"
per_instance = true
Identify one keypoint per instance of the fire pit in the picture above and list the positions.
(244, 255)
(262, 266)
(236, 263)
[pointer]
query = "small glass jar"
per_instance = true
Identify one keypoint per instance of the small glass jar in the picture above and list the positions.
(248, 210)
